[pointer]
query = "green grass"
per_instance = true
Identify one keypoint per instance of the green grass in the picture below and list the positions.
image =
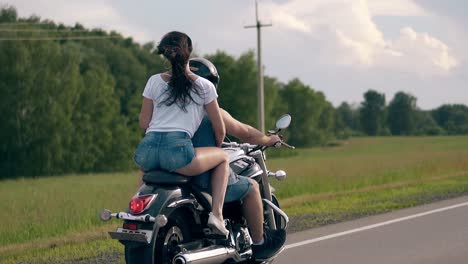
(60, 206)
(97, 251)
(365, 162)
(346, 206)
(57, 217)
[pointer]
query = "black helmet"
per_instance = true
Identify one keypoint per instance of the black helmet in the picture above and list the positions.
(204, 68)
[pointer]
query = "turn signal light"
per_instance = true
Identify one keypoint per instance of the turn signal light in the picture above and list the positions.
(140, 203)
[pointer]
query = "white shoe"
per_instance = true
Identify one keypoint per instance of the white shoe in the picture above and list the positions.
(217, 226)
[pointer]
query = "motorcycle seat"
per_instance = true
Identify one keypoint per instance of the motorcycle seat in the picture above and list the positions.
(165, 178)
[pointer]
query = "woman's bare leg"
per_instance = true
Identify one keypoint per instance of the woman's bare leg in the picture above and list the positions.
(205, 159)
(219, 181)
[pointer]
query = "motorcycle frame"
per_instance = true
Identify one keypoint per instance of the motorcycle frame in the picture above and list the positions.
(265, 189)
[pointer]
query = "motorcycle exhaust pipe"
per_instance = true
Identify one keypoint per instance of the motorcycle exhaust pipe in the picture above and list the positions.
(207, 255)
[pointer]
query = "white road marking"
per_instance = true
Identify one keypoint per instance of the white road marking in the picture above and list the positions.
(364, 228)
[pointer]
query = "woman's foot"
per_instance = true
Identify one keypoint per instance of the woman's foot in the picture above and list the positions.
(217, 225)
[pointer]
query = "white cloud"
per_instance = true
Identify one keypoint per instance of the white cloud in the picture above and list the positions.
(346, 31)
(396, 8)
(290, 21)
(421, 52)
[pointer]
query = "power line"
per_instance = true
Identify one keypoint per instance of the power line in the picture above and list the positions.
(30, 25)
(44, 30)
(60, 38)
(25, 23)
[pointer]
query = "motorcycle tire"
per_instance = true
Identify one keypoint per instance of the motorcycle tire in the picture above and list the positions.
(163, 246)
(258, 261)
(175, 232)
(141, 254)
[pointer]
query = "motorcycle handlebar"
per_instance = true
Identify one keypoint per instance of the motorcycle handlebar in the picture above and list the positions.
(237, 145)
(254, 147)
(286, 145)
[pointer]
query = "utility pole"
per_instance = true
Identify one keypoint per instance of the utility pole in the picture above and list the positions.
(261, 101)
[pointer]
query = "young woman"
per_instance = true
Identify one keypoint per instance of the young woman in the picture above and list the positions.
(173, 108)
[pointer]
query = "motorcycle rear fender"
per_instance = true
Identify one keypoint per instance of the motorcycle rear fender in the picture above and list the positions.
(168, 199)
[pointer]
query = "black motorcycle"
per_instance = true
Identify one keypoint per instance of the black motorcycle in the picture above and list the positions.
(167, 218)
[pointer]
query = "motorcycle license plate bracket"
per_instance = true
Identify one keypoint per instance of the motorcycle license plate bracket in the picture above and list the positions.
(143, 236)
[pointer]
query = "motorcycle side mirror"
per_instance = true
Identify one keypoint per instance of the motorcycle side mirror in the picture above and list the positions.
(283, 122)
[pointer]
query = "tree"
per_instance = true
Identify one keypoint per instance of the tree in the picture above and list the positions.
(69, 106)
(8, 14)
(401, 114)
(238, 85)
(372, 113)
(273, 102)
(347, 121)
(425, 124)
(452, 118)
(312, 114)
(40, 87)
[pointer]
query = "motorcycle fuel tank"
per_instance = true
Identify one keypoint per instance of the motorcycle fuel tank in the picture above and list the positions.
(242, 164)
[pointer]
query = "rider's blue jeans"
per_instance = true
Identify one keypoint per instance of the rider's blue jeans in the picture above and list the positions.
(238, 186)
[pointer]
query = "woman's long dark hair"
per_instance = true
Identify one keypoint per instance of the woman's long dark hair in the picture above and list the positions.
(176, 48)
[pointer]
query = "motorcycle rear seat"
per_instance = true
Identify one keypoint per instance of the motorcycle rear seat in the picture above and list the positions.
(169, 178)
(165, 177)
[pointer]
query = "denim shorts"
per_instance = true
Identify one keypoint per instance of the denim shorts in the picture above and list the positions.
(164, 150)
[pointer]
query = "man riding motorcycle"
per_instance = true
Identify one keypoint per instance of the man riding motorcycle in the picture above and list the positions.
(265, 244)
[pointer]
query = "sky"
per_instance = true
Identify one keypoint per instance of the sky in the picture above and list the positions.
(340, 47)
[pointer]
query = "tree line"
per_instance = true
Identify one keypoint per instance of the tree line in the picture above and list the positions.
(400, 117)
(71, 103)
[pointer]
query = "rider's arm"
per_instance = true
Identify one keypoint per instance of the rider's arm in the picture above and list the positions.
(245, 132)
(214, 113)
(146, 113)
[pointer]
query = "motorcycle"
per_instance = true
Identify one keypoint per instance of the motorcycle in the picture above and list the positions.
(166, 221)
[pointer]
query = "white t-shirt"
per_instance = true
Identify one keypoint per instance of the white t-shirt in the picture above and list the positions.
(173, 118)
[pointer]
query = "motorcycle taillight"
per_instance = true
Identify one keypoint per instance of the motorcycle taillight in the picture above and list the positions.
(139, 203)
(130, 226)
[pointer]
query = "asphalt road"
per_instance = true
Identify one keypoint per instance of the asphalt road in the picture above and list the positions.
(430, 234)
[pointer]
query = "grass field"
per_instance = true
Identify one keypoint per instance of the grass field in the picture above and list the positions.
(57, 217)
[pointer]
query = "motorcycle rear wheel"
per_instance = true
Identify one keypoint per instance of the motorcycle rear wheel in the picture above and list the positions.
(174, 233)
(163, 247)
(134, 255)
